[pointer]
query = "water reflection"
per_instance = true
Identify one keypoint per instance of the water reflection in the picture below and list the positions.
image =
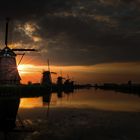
(31, 102)
(8, 108)
(75, 112)
(99, 99)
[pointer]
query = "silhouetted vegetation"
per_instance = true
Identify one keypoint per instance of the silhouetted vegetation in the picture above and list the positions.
(125, 88)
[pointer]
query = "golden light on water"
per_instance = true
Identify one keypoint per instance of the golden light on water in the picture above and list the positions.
(96, 99)
(37, 102)
(31, 102)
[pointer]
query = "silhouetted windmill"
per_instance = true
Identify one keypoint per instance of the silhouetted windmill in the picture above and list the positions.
(68, 85)
(46, 78)
(59, 82)
(8, 68)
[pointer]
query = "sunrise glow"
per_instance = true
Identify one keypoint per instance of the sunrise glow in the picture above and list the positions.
(120, 72)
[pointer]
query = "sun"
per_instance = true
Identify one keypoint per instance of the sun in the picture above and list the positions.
(23, 69)
(29, 69)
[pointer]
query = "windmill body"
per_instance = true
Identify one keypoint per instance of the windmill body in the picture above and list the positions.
(8, 67)
(46, 79)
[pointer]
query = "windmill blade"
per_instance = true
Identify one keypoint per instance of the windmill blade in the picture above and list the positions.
(6, 32)
(30, 71)
(21, 58)
(48, 64)
(24, 50)
(53, 73)
(68, 79)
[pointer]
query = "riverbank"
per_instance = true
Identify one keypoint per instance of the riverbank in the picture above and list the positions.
(124, 88)
(81, 123)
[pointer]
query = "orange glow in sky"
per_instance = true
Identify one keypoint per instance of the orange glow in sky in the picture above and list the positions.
(109, 72)
(33, 73)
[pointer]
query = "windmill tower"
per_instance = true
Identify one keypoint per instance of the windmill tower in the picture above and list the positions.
(9, 74)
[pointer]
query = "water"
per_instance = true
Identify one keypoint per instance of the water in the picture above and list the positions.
(96, 99)
(84, 114)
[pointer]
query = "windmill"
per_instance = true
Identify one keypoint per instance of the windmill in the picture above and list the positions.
(9, 74)
(59, 82)
(46, 78)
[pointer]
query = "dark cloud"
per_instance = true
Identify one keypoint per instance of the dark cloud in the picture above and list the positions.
(77, 32)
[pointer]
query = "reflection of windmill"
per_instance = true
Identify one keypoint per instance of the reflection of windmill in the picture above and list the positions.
(8, 67)
(46, 101)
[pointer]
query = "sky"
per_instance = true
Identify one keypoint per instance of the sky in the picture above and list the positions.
(90, 40)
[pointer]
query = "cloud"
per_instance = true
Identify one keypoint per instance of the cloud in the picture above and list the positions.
(77, 32)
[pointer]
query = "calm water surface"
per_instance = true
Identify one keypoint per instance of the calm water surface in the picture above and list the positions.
(96, 99)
